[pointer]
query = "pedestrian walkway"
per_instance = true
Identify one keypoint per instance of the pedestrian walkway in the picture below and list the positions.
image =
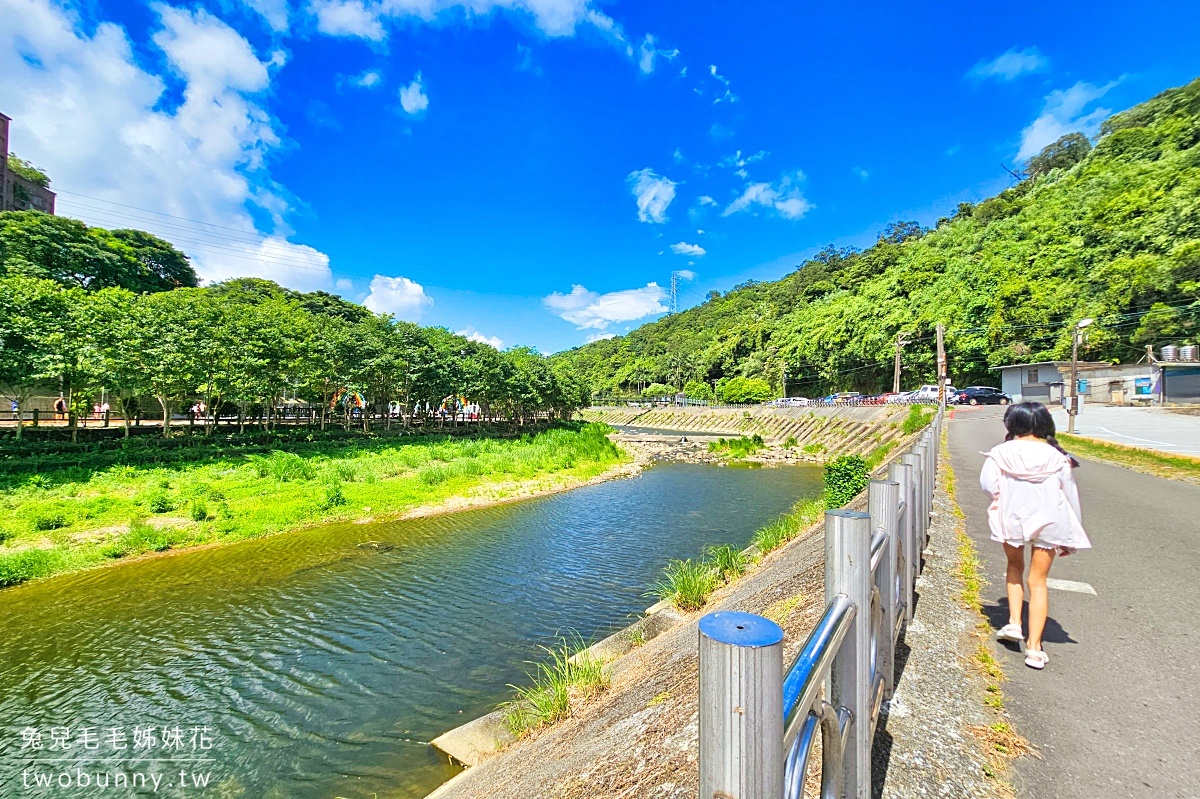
(1115, 712)
(1148, 428)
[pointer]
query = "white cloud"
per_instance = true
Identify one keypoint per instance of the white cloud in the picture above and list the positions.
(191, 142)
(683, 248)
(647, 53)
(786, 198)
(275, 12)
(471, 334)
(398, 296)
(367, 80)
(704, 199)
(686, 274)
(413, 98)
(348, 18)
(1063, 113)
(728, 96)
(599, 337)
(862, 173)
(654, 194)
(588, 309)
(677, 156)
(1010, 65)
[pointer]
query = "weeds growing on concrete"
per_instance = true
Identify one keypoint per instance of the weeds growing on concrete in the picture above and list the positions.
(568, 676)
(729, 561)
(918, 418)
(687, 583)
(737, 447)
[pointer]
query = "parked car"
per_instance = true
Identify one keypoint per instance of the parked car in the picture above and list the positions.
(847, 398)
(980, 395)
(929, 393)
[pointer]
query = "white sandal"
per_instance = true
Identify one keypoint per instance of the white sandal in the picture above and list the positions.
(1036, 659)
(1010, 632)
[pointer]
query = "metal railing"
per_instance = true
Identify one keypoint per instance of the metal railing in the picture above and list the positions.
(758, 723)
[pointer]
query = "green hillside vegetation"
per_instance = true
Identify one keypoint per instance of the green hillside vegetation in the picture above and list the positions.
(1110, 232)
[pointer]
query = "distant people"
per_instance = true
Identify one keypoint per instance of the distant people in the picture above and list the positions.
(1034, 501)
(60, 407)
(16, 410)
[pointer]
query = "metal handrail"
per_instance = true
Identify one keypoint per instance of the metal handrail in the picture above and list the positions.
(845, 671)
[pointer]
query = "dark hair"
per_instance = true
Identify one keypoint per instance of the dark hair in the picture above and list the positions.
(1031, 418)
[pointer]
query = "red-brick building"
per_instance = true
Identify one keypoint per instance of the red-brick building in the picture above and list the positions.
(16, 192)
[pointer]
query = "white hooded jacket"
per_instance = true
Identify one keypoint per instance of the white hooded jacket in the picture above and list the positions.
(1034, 496)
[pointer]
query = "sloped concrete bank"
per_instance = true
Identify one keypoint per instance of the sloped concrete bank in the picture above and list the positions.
(839, 430)
(639, 738)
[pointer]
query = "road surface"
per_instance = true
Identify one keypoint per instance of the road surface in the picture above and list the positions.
(1149, 428)
(1116, 713)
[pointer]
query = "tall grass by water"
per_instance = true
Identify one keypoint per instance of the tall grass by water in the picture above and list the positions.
(568, 676)
(63, 519)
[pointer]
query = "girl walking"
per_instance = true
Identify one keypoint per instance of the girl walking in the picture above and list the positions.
(1034, 501)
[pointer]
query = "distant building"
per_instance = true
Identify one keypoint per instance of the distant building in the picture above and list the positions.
(18, 193)
(1169, 383)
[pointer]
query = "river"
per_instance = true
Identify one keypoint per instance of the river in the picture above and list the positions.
(321, 662)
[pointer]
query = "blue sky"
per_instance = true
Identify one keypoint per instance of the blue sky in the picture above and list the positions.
(533, 171)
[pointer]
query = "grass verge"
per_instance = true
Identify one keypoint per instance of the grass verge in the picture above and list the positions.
(67, 518)
(999, 741)
(568, 677)
(737, 447)
(1159, 464)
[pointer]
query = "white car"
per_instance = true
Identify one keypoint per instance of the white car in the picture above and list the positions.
(928, 393)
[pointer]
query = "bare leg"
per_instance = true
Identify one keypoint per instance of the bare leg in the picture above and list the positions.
(1013, 580)
(1039, 598)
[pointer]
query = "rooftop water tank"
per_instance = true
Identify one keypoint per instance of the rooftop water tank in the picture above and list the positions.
(1170, 353)
(1188, 352)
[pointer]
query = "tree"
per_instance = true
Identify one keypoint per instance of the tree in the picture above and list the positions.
(744, 390)
(33, 174)
(657, 390)
(1062, 154)
(162, 266)
(696, 389)
(32, 316)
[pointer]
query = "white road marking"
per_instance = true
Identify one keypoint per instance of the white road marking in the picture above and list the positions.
(1149, 441)
(1070, 585)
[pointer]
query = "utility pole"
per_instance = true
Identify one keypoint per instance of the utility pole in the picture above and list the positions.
(941, 363)
(901, 340)
(1076, 340)
(785, 380)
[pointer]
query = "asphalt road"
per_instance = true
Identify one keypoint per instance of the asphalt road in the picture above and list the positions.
(1150, 428)
(1116, 713)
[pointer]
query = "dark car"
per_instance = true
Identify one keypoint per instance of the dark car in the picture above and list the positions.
(981, 395)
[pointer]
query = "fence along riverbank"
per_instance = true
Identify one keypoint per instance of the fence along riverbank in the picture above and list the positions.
(757, 722)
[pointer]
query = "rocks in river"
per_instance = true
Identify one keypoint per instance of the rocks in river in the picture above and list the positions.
(378, 546)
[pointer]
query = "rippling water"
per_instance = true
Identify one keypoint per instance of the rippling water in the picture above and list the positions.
(322, 666)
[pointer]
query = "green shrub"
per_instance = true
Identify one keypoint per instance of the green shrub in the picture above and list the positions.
(728, 561)
(28, 564)
(687, 583)
(44, 522)
(737, 447)
(161, 502)
(845, 477)
(813, 449)
(199, 510)
(334, 498)
(5, 535)
(790, 442)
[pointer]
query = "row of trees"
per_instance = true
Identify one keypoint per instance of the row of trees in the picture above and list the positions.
(1110, 232)
(81, 315)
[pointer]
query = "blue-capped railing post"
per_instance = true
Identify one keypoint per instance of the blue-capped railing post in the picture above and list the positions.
(902, 474)
(848, 571)
(741, 707)
(883, 503)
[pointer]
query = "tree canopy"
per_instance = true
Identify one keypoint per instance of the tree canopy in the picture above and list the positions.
(1110, 232)
(28, 171)
(69, 252)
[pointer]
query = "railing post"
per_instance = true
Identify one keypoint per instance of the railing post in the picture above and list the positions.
(848, 571)
(35, 417)
(902, 473)
(741, 706)
(914, 460)
(923, 494)
(883, 501)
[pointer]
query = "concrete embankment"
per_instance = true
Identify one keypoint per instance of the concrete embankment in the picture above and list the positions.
(826, 431)
(640, 737)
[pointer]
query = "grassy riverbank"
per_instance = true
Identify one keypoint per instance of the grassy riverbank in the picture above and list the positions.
(64, 519)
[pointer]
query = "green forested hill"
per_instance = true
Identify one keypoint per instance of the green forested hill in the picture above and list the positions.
(1110, 232)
